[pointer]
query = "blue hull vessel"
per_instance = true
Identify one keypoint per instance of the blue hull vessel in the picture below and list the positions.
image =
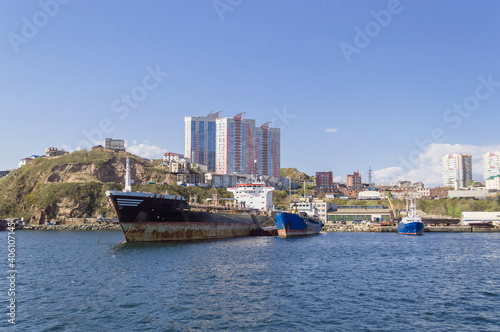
(291, 224)
(411, 228)
(412, 224)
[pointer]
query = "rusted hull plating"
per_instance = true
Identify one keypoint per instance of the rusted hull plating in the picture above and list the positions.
(184, 231)
(291, 232)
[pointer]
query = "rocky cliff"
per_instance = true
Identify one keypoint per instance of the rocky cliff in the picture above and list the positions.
(73, 185)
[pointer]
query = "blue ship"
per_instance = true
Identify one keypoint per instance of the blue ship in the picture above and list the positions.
(293, 224)
(411, 224)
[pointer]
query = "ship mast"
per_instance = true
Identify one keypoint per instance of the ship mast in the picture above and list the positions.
(128, 187)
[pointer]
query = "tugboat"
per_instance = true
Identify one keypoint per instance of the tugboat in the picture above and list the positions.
(296, 224)
(412, 224)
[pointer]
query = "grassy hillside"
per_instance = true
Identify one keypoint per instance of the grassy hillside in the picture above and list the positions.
(74, 185)
(294, 174)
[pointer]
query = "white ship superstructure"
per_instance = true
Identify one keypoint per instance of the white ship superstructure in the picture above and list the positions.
(253, 196)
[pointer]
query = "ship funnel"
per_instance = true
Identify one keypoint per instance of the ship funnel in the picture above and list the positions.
(128, 187)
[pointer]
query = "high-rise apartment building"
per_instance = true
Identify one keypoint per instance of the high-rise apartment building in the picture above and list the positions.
(235, 145)
(232, 145)
(267, 151)
(457, 170)
(491, 164)
(324, 179)
(199, 139)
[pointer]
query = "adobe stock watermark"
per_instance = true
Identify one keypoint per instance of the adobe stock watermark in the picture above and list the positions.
(31, 26)
(453, 116)
(223, 6)
(281, 119)
(373, 28)
(123, 105)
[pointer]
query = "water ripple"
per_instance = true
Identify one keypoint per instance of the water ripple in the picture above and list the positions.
(333, 281)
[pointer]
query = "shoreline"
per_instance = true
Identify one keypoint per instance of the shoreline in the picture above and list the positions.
(427, 229)
(327, 228)
(80, 227)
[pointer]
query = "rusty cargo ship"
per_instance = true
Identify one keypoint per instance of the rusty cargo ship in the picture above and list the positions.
(148, 217)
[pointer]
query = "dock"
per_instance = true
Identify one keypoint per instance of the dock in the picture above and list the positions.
(448, 229)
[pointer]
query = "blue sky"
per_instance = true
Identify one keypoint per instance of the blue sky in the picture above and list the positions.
(345, 100)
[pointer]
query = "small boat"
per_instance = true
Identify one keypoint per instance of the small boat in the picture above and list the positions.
(296, 224)
(412, 224)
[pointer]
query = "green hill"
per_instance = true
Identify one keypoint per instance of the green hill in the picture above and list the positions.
(74, 185)
(295, 175)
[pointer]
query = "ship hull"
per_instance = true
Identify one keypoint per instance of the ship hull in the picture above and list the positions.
(158, 218)
(185, 231)
(411, 228)
(290, 224)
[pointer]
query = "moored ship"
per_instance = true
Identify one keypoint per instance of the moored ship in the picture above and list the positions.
(148, 217)
(297, 224)
(412, 224)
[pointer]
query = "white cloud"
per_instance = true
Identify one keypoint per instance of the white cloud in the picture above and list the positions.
(338, 178)
(427, 165)
(331, 130)
(145, 150)
(387, 176)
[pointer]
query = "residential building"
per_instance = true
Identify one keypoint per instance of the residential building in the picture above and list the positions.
(317, 191)
(54, 152)
(425, 192)
(324, 179)
(457, 170)
(404, 184)
(114, 144)
(267, 150)
(178, 167)
(353, 180)
(491, 164)
(351, 193)
(24, 161)
(223, 180)
(200, 139)
(493, 182)
(323, 208)
(190, 179)
(438, 192)
(171, 156)
(235, 145)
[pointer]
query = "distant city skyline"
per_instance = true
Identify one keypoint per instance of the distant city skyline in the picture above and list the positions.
(391, 85)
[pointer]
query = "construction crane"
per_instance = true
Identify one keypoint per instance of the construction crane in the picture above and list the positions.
(394, 213)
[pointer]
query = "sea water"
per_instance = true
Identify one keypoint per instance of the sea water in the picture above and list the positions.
(66, 281)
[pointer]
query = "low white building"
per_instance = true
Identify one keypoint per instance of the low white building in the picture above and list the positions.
(493, 182)
(369, 194)
(24, 161)
(472, 217)
(175, 157)
(476, 194)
